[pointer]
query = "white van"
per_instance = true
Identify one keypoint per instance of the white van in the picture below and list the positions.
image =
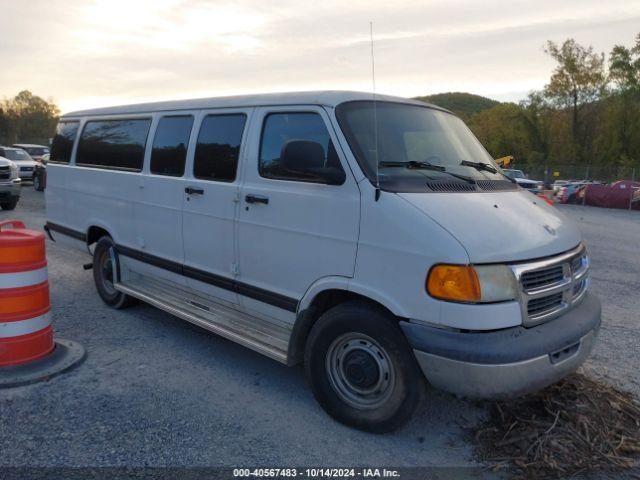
(375, 241)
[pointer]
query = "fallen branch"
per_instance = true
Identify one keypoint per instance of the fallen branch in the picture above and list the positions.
(576, 426)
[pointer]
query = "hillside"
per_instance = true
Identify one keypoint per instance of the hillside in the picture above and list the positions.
(464, 104)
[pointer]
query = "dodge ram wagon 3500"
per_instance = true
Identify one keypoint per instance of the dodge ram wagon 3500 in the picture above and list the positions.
(374, 240)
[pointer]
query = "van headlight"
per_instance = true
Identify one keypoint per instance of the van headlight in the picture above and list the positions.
(472, 284)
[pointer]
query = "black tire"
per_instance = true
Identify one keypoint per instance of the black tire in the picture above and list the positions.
(372, 337)
(103, 276)
(10, 205)
(37, 183)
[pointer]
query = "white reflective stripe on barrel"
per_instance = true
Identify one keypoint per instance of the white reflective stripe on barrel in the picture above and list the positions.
(23, 279)
(23, 327)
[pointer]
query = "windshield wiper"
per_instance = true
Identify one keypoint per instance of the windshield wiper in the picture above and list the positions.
(414, 164)
(480, 166)
(425, 166)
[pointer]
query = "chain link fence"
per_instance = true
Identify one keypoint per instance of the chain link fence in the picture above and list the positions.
(601, 173)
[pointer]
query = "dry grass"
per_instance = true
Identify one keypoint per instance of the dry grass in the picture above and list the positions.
(576, 426)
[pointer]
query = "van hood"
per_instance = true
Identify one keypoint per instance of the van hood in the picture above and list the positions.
(499, 226)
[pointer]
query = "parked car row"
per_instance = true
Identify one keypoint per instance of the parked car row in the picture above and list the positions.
(567, 191)
(30, 161)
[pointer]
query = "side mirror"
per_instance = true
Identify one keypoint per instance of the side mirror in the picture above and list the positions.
(307, 158)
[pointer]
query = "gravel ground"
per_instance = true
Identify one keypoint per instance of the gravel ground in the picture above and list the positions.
(155, 391)
(613, 242)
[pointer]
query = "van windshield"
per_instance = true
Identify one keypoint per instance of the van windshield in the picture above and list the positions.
(414, 143)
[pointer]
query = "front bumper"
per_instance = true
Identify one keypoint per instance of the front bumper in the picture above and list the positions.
(9, 189)
(508, 362)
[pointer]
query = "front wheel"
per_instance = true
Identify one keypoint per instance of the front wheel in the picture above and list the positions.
(361, 368)
(103, 275)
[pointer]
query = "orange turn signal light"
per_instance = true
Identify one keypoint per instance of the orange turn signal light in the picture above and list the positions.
(457, 283)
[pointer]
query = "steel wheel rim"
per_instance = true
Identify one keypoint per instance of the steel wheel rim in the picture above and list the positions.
(106, 272)
(360, 371)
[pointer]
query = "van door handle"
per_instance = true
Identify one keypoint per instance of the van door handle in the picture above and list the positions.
(194, 191)
(256, 199)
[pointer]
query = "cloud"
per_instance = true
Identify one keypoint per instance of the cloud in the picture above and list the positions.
(113, 51)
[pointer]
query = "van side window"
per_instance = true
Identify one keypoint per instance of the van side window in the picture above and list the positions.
(278, 129)
(62, 143)
(117, 144)
(218, 147)
(170, 145)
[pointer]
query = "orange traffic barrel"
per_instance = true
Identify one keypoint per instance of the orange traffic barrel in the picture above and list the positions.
(26, 333)
(25, 319)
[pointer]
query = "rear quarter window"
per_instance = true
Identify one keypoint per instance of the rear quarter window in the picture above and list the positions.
(63, 140)
(170, 145)
(114, 144)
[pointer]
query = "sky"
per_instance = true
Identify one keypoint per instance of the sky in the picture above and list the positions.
(90, 53)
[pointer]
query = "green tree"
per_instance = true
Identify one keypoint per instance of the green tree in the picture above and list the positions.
(28, 117)
(578, 80)
(624, 66)
(502, 131)
(537, 116)
(5, 125)
(623, 110)
(463, 104)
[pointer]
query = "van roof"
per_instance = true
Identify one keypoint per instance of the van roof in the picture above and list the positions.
(329, 98)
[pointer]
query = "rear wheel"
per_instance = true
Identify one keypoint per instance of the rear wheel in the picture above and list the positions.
(10, 205)
(103, 275)
(361, 368)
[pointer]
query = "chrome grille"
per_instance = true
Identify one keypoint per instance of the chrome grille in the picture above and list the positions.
(542, 305)
(552, 286)
(5, 173)
(540, 278)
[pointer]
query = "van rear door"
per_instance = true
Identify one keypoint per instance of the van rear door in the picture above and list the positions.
(293, 230)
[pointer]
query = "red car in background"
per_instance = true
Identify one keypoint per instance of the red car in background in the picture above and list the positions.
(620, 194)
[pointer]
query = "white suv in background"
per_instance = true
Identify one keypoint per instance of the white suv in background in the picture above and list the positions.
(9, 184)
(22, 159)
(534, 186)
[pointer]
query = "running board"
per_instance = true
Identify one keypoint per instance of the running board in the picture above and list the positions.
(269, 337)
